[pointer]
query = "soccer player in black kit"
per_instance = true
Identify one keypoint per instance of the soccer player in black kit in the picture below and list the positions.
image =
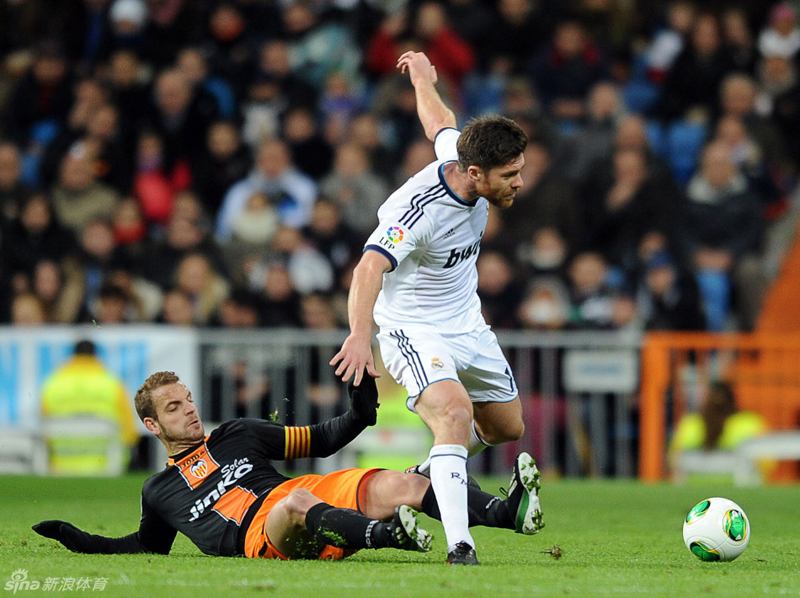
(223, 493)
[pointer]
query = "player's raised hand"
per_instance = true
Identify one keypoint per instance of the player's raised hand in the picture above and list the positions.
(66, 533)
(418, 67)
(354, 356)
(364, 398)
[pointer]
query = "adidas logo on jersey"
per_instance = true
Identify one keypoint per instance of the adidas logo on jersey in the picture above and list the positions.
(449, 233)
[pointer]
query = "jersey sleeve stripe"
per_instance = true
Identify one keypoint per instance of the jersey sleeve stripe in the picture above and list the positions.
(382, 251)
(418, 202)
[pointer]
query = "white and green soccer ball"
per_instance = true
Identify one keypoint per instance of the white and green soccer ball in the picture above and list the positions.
(716, 529)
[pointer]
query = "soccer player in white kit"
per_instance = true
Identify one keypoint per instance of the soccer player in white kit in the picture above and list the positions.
(418, 279)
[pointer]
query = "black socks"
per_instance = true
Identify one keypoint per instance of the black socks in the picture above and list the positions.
(346, 528)
(484, 508)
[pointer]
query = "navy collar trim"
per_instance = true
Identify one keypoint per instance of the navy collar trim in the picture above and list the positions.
(452, 193)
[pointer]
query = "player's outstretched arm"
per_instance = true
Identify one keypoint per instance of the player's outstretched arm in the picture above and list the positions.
(78, 540)
(433, 113)
(356, 351)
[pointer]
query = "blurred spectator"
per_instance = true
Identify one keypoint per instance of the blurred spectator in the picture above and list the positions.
(34, 237)
(87, 31)
(622, 206)
(229, 47)
(545, 200)
(27, 310)
(206, 289)
(338, 104)
(241, 309)
(183, 236)
(177, 309)
(12, 191)
(546, 305)
(365, 133)
(545, 254)
(258, 223)
(739, 40)
(311, 152)
(157, 179)
(667, 297)
(721, 231)
(275, 62)
(42, 97)
(738, 94)
(281, 300)
(520, 26)
(781, 36)
(212, 97)
(78, 197)
(427, 30)
(563, 72)
(591, 298)
(171, 26)
(98, 256)
(499, 289)
(748, 156)
(595, 135)
(144, 299)
(309, 270)
(354, 188)
(332, 237)
(129, 94)
(179, 116)
(111, 306)
(667, 43)
(691, 87)
(416, 157)
(130, 231)
(60, 290)
(83, 386)
(224, 161)
(127, 20)
(294, 193)
(319, 47)
(779, 80)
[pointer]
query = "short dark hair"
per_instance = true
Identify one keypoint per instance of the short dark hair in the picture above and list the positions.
(489, 142)
(85, 347)
(144, 396)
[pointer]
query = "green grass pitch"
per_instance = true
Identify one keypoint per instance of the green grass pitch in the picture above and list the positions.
(616, 538)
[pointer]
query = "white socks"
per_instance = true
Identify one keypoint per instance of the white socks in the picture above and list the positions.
(448, 472)
(476, 445)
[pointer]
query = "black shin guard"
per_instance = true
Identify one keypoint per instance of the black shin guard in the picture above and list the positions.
(345, 528)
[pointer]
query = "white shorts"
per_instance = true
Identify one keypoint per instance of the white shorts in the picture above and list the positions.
(418, 357)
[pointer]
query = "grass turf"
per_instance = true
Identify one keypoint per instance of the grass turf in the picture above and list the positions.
(617, 538)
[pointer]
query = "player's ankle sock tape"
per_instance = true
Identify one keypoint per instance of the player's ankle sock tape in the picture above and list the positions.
(345, 528)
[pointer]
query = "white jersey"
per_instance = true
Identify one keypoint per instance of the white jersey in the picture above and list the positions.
(432, 239)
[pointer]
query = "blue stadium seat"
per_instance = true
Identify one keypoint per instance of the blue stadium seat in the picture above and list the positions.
(684, 141)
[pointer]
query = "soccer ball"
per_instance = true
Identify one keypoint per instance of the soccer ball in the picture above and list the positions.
(716, 529)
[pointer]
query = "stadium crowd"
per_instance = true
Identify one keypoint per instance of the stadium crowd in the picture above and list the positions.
(220, 163)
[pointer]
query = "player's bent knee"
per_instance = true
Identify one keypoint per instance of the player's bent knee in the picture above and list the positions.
(297, 503)
(509, 433)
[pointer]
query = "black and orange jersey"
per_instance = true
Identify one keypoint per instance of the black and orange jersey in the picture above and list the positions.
(210, 492)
